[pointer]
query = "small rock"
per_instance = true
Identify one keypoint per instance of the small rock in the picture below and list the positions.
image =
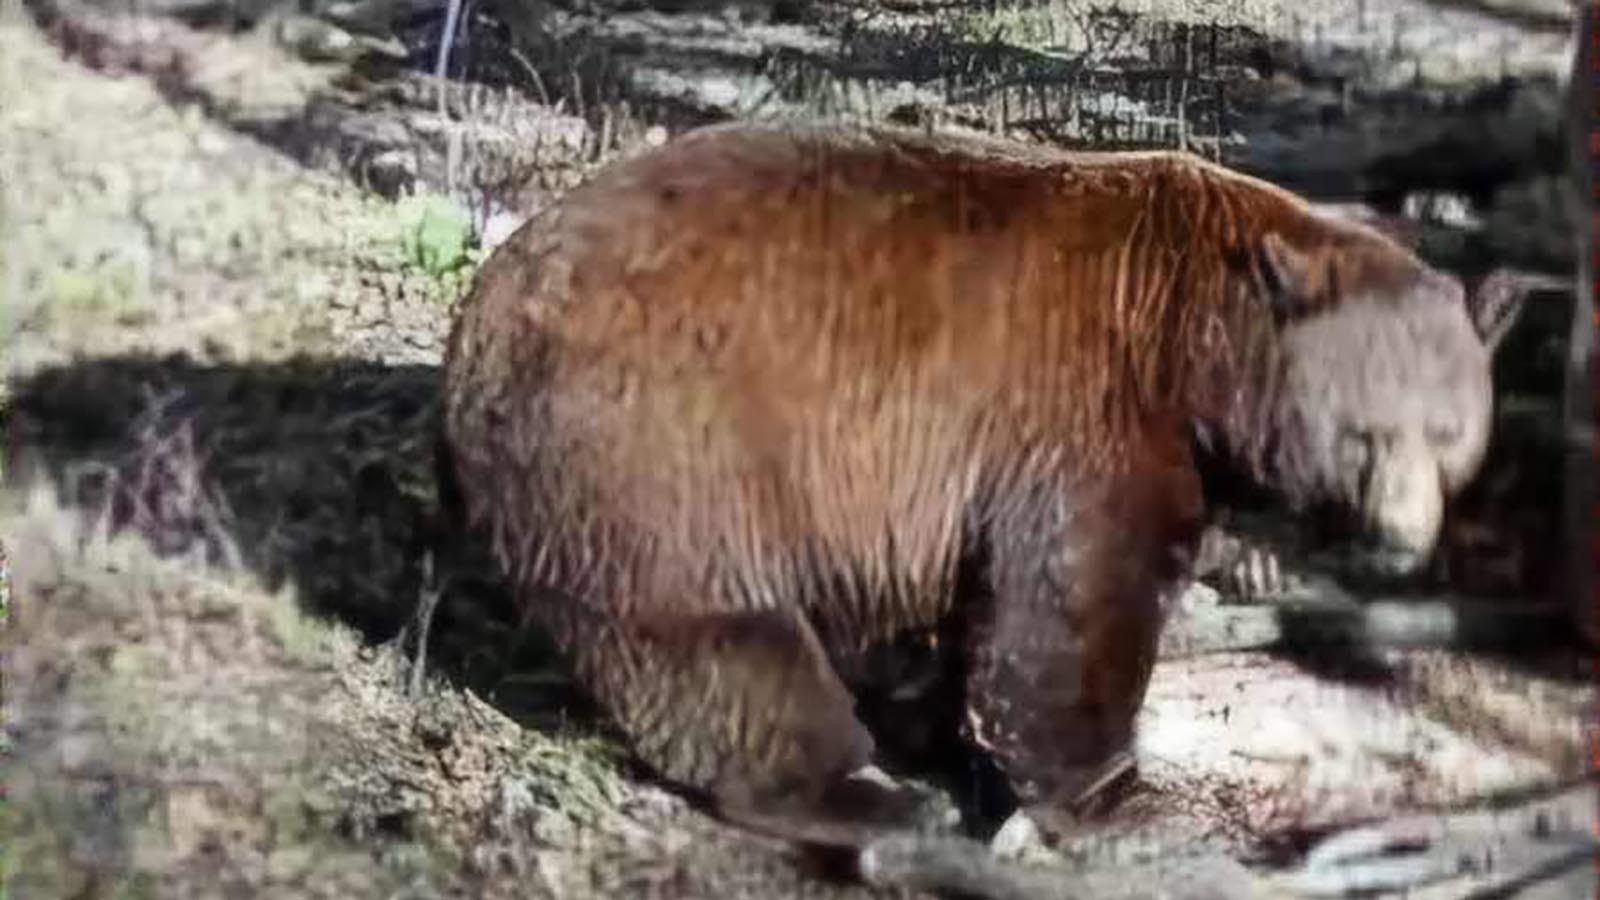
(315, 40)
(1016, 838)
(652, 802)
(499, 226)
(392, 172)
(1199, 596)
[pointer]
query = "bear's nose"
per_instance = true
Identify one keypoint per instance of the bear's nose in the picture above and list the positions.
(1404, 509)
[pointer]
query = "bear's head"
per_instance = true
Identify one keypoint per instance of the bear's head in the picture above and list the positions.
(1379, 400)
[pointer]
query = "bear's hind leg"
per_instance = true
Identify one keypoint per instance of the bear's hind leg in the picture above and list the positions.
(745, 708)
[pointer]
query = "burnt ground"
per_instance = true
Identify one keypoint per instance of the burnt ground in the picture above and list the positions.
(223, 317)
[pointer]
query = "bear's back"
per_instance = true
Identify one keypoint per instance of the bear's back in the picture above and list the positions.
(821, 270)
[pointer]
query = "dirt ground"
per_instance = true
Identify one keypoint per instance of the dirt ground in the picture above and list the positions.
(220, 520)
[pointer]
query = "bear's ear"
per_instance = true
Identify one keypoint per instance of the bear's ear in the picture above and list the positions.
(1497, 299)
(1285, 275)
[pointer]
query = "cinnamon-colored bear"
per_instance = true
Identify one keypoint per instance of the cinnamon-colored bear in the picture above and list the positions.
(746, 406)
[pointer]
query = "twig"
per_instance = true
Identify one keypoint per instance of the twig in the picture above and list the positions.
(538, 83)
(452, 13)
(424, 622)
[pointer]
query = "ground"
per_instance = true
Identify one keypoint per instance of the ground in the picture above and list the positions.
(180, 724)
(220, 363)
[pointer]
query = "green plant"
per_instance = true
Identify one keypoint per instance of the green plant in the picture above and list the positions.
(438, 234)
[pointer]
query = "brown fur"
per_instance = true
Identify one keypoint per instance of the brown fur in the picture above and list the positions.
(743, 407)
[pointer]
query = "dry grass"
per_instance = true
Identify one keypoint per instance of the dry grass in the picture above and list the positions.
(152, 227)
(180, 729)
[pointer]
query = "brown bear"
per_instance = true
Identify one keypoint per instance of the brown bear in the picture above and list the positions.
(744, 407)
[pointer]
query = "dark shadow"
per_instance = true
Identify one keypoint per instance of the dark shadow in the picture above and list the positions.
(320, 475)
(315, 474)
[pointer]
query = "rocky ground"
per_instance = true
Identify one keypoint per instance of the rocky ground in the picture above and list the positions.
(228, 259)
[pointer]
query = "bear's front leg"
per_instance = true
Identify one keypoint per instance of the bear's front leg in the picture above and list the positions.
(1062, 651)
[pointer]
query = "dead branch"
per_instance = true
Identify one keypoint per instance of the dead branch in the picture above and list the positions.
(1493, 849)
